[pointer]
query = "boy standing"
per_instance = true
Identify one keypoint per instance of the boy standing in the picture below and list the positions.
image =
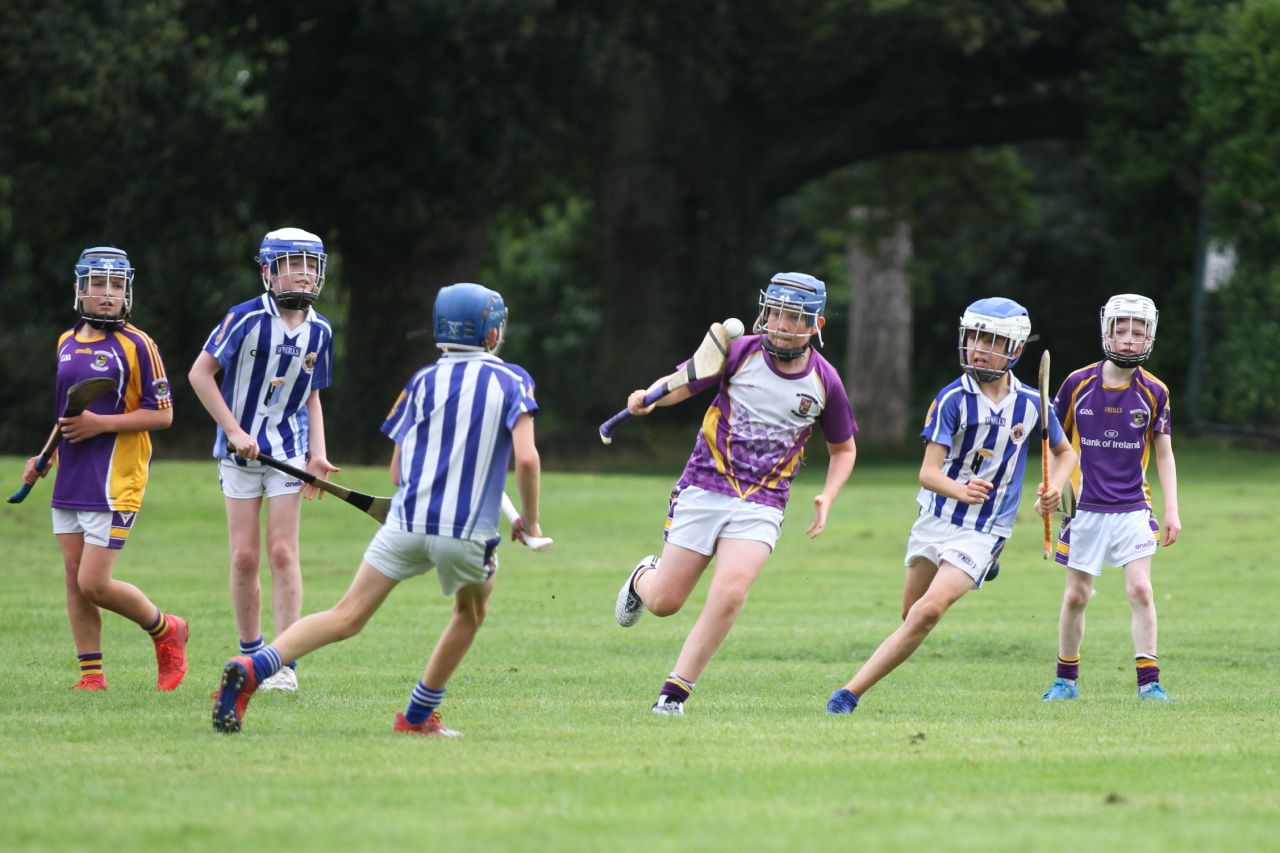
(276, 354)
(976, 437)
(1114, 412)
(456, 425)
(104, 456)
(729, 501)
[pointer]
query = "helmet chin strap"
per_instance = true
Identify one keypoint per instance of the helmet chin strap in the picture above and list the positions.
(782, 354)
(292, 300)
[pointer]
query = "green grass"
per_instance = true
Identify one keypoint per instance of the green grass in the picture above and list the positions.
(952, 751)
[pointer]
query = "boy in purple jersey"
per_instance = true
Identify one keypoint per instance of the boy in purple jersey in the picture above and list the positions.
(729, 501)
(976, 438)
(1115, 412)
(275, 353)
(456, 425)
(103, 457)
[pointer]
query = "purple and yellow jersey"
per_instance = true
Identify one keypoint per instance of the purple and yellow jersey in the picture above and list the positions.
(987, 440)
(753, 435)
(108, 473)
(1112, 430)
(453, 422)
(268, 374)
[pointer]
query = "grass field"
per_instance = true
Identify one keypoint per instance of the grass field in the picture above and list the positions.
(952, 751)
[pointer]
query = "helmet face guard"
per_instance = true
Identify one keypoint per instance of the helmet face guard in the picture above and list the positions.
(293, 265)
(790, 308)
(107, 269)
(994, 331)
(464, 316)
(1119, 318)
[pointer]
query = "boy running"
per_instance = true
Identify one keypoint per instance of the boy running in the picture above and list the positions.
(976, 437)
(456, 425)
(729, 502)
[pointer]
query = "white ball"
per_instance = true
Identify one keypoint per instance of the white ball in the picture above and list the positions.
(734, 327)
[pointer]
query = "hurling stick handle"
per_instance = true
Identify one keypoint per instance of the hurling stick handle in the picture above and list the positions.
(43, 462)
(653, 396)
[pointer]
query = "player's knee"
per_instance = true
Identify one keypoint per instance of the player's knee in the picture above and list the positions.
(1140, 594)
(663, 603)
(95, 589)
(925, 614)
(1076, 598)
(244, 563)
(729, 602)
(281, 555)
(472, 611)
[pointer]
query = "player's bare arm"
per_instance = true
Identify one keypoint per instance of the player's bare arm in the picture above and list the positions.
(1168, 471)
(318, 463)
(635, 401)
(88, 424)
(1062, 461)
(840, 466)
(203, 379)
(973, 491)
(528, 466)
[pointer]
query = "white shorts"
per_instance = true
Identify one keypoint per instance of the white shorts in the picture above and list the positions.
(1119, 538)
(969, 550)
(458, 562)
(105, 529)
(242, 479)
(697, 518)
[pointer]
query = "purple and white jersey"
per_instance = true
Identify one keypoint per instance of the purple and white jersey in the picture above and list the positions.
(1112, 430)
(108, 473)
(269, 372)
(453, 422)
(987, 440)
(753, 435)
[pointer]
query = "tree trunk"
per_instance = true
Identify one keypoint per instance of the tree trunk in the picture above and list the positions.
(878, 366)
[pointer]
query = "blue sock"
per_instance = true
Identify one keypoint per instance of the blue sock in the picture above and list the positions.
(252, 646)
(266, 663)
(422, 701)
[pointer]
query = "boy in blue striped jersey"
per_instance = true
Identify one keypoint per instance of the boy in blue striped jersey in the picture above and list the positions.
(976, 436)
(276, 355)
(456, 426)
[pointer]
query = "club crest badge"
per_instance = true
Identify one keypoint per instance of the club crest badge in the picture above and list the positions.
(162, 389)
(1137, 418)
(309, 362)
(1018, 433)
(100, 359)
(804, 408)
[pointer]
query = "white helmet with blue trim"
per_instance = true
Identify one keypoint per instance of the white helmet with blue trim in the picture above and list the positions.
(1009, 326)
(294, 260)
(104, 262)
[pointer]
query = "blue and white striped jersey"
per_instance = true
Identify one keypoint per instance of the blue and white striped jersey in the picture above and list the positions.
(987, 440)
(269, 372)
(453, 422)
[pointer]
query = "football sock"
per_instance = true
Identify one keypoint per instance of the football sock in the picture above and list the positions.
(422, 701)
(252, 647)
(90, 663)
(1148, 667)
(266, 663)
(159, 628)
(677, 688)
(1069, 668)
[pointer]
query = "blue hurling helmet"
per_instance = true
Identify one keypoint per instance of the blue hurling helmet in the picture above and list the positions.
(110, 262)
(464, 314)
(1009, 325)
(791, 291)
(292, 246)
